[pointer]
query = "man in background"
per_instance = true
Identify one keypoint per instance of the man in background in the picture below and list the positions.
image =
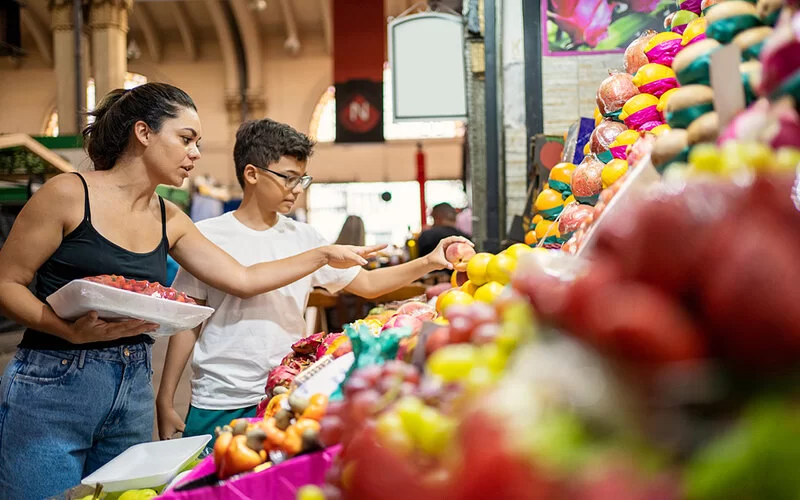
(444, 225)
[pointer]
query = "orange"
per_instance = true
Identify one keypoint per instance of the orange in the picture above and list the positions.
(530, 238)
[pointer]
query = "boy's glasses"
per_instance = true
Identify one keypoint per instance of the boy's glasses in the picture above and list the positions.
(291, 181)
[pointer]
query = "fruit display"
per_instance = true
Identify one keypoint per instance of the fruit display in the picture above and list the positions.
(247, 445)
(156, 290)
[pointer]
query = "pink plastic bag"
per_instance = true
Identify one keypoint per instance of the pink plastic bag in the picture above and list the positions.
(280, 482)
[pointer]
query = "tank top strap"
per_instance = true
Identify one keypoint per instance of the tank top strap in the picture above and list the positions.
(163, 220)
(87, 213)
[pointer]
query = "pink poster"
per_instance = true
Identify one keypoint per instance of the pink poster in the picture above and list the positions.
(599, 26)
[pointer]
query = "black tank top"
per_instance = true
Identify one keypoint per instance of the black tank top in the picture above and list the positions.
(85, 252)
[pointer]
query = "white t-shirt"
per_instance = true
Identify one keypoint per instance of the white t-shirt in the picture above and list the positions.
(245, 338)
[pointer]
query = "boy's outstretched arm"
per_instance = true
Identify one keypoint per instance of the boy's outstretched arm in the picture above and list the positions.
(371, 284)
(178, 353)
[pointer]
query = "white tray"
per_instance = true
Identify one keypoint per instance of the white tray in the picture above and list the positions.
(79, 297)
(147, 465)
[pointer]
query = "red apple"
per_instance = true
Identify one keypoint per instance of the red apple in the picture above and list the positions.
(459, 254)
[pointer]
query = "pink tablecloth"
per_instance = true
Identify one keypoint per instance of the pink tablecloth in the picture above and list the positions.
(276, 483)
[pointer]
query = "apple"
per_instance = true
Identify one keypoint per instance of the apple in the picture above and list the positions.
(459, 254)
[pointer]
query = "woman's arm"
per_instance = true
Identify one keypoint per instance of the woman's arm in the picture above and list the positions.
(212, 265)
(35, 236)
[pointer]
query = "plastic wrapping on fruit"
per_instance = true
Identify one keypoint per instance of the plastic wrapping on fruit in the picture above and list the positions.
(613, 92)
(635, 56)
(586, 180)
(604, 134)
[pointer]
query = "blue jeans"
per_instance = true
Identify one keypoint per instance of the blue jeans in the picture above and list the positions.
(64, 414)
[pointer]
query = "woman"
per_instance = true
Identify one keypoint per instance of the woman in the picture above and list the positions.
(79, 393)
(352, 232)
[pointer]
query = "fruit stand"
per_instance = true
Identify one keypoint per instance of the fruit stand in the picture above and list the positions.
(642, 343)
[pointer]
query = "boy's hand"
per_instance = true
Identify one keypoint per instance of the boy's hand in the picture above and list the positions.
(437, 258)
(345, 256)
(169, 422)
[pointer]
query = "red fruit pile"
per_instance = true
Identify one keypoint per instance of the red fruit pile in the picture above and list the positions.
(710, 271)
(156, 290)
(476, 323)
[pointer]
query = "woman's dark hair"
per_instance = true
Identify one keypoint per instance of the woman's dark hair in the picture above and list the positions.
(263, 142)
(114, 117)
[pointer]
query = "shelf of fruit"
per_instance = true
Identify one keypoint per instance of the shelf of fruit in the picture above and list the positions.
(662, 108)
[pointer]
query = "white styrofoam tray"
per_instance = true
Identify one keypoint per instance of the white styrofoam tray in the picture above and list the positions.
(79, 297)
(147, 465)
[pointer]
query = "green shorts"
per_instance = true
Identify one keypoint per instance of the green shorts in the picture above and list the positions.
(200, 421)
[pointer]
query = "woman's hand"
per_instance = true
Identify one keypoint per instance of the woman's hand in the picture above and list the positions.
(345, 256)
(437, 257)
(91, 328)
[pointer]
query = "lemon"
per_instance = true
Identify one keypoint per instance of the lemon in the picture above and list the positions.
(469, 288)
(476, 268)
(613, 170)
(500, 268)
(489, 292)
(516, 250)
(452, 297)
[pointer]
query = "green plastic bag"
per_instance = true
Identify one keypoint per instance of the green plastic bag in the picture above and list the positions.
(371, 350)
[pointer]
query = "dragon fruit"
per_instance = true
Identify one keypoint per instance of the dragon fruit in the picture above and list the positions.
(298, 362)
(326, 343)
(280, 376)
(309, 344)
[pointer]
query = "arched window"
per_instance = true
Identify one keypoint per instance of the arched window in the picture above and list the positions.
(131, 80)
(323, 120)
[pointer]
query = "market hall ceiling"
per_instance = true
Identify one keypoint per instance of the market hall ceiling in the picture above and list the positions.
(156, 23)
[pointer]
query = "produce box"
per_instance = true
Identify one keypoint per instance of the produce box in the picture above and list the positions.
(79, 297)
(280, 482)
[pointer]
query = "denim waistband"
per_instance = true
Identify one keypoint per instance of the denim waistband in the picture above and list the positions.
(122, 354)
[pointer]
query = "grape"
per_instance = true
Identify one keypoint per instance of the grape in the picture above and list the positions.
(335, 408)
(408, 410)
(310, 492)
(362, 405)
(453, 362)
(433, 431)
(493, 358)
(460, 330)
(480, 379)
(332, 492)
(407, 389)
(370, 373)
(355, 385)
(482, 313)
(330, 430)
(706, 158)
(388, 423)
(787, 158)
(485, 334)
(411, 373)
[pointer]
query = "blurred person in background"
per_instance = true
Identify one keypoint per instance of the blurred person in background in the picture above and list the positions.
(464, 221)
(352, 231)
(444, 226)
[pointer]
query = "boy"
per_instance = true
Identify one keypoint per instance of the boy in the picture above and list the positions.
(244, 339)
